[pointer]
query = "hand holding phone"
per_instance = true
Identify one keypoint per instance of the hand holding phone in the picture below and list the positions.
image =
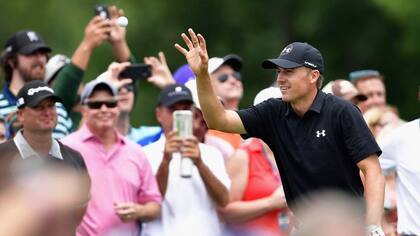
(136, 72)
(102, 10)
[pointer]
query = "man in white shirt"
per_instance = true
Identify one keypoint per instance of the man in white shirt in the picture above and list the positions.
(401, 153)
(189, 205)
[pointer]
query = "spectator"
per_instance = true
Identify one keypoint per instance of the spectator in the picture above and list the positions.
(400, 156)
(23, 60)
(345, 90)
(189, 205)
(66, 75)
(124, 189)
(257, 201)
(34, 147)
(298, 128)
(381, 120)
(227, 85)
(371, 84)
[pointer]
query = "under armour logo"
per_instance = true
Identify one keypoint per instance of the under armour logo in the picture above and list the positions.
(32, 36)
(319, 133)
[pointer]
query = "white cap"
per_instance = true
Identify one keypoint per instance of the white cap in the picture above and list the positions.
(192, 86)
(232, 60)
(53, 65)
(267, 93)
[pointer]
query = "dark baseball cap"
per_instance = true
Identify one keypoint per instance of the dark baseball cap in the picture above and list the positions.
(173, 94)
(295, 55)
(33, 93)
(26, 42)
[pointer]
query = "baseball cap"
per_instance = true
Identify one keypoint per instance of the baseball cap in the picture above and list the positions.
(267, 93)
(344, 89)
(53, 65)
(174, 93)
(183, 74)
(232, 60)
(360, 74)
(26, 42)
(33, 92)
(295, 55)
(94, 84)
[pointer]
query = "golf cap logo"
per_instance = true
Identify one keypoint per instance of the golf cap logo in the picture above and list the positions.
(286, 50)
(32, 91)
(178, 89)
(32, 36)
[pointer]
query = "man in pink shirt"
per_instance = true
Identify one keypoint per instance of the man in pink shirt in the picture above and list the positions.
(124, 189)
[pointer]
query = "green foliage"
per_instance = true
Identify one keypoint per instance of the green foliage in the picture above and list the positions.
(358, 34)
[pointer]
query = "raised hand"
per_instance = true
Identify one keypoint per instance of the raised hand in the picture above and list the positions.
(161, 75)
(117, 33)
(196, 54)
(114, 69)
(96, 31)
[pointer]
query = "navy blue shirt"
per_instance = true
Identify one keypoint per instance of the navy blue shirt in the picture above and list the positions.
(318, 151)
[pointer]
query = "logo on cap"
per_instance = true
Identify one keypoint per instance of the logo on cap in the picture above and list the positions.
(32, 91)
(32, 36)
(20, 102)
(286, 50)
(178, 89)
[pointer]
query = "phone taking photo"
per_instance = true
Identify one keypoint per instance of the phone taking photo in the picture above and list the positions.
(136, 72)
(102, 10)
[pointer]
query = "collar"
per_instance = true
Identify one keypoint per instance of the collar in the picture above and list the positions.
(10, 97)
(26, 151)
(316, 105)
(86, 134)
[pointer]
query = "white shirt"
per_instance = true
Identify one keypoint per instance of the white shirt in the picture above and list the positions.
(187, 208)
(401, 153)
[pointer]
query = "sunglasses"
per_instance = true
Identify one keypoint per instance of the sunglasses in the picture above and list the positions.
(224, 77)
(98, 104)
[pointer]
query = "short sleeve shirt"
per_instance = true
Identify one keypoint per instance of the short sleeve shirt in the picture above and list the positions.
(317, 151)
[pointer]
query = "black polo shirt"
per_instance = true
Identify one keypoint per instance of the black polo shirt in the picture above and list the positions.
(318, 151)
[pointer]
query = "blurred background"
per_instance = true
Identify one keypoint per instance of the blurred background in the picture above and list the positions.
(352, 35)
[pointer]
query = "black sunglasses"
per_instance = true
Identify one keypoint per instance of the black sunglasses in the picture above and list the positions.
(98, 104)
(224, 77)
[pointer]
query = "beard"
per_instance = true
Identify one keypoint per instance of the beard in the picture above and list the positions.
(31, 73)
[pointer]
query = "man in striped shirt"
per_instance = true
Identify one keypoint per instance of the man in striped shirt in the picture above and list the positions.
(23, 59)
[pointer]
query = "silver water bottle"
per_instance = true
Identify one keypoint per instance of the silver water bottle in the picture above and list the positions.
(182, 121)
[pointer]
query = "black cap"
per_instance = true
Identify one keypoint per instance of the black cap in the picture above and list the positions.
(26, 42)
(173, 94)
(33, 92)
(295, 55)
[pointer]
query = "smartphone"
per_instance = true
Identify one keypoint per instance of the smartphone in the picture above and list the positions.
(182, 122)
(102, 10)
(136, 72)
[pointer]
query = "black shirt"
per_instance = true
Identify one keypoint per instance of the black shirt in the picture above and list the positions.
(318, 151)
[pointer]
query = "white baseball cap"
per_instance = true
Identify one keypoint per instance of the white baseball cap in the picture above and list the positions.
(53, 65)
(232, 60)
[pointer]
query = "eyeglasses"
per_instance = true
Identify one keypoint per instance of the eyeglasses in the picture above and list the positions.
(224, 77)
(98, 104)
